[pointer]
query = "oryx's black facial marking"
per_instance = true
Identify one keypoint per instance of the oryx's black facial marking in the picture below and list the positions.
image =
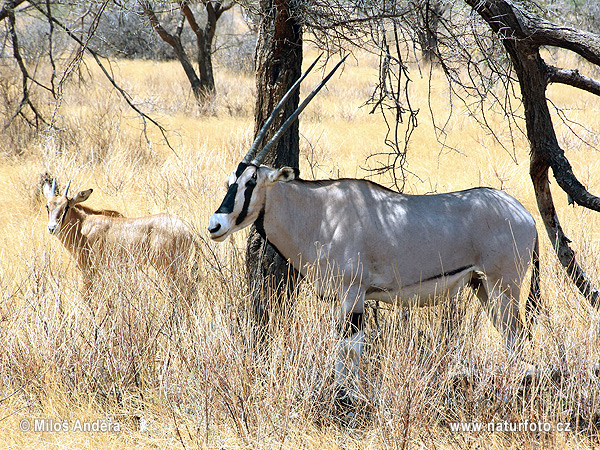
(229, 200)
(240, 169)
(353, 324)
(250, 185)
(228, 204)
(448, 274)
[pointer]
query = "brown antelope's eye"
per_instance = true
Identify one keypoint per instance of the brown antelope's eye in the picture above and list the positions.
(47, 209)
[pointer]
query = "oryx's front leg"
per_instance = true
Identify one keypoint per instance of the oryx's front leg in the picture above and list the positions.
(351, 345)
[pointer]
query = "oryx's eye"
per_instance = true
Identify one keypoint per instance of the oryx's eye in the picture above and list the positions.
(253, 178)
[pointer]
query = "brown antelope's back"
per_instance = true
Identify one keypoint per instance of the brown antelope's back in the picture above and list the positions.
(162, 240)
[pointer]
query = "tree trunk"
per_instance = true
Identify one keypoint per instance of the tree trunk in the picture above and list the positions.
(428, 18)
(174, 40)
(278, 62)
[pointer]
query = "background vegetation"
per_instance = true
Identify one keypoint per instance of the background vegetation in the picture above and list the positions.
(189, 376)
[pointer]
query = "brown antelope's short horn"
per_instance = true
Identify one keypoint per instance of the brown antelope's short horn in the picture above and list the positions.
(67, 188)
(53, 189)
(290, 120)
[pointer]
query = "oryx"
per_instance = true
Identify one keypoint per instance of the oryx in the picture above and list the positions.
(96, 238)
(379, 244)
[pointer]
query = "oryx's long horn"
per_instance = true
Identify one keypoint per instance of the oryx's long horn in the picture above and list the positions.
(53, 189)
(261, 134)
(290, 120)
(67, 188)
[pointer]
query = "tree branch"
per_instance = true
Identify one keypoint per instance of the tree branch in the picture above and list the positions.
(560, 242)
(566, 179)
(164, 34)
(9, 6)
(573, 78)
(25, 100)
(544, 33)
(145, 118)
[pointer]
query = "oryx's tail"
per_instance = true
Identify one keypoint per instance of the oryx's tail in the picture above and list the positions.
(532, 305)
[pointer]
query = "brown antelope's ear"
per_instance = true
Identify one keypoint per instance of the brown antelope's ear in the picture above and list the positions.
(284, 174)
(82, 196)
(49, 189)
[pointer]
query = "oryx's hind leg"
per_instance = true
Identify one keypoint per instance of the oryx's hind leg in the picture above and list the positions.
(501, 302)
(351, 346)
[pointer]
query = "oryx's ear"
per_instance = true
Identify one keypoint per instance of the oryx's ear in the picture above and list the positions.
(284, 174)
(82, 196)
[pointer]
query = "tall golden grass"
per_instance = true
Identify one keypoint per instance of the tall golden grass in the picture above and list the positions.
(176, 375)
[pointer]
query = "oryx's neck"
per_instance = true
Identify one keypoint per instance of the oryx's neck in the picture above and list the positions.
(292, 218)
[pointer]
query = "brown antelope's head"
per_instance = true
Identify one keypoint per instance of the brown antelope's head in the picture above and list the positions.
(59, 206)
(246, 187)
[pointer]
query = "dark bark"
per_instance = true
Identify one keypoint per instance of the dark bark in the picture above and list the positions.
(9, 8)
(174, 40)
(428, 17)
(278, 62)
(522, 35)
(204, 41)
(202, 82)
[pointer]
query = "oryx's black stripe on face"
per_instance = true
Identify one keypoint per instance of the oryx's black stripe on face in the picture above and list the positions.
(240, 169)
(229, 200)
(250, 185)
(353, 324)
(448, 274)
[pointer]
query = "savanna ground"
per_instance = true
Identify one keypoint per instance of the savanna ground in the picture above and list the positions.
(176, 375)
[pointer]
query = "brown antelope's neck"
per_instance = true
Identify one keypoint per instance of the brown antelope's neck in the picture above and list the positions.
(70, 233)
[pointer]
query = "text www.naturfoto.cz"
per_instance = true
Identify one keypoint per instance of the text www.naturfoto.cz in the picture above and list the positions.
(505, 426)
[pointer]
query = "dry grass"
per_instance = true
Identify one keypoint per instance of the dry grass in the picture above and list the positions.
(189, 376)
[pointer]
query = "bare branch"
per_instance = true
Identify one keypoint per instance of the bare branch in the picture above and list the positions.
(9, 6)
(566, 179)
(25, 100)
(560, 242)
(145, 118)
(573, 78)
(543, 33)
(164, 34)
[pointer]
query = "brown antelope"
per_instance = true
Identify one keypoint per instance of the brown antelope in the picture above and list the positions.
(96, 238)
(383, 245)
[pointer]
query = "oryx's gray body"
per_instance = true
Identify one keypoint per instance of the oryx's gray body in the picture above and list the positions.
(373, 243)
(388, 246)
(367, 242)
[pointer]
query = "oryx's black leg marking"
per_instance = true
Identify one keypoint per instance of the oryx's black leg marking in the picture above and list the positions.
(352, 324)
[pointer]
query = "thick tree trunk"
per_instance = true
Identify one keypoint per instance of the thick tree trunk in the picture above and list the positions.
(278, 62)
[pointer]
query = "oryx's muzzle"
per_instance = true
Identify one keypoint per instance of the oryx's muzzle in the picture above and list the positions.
(219, 226)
